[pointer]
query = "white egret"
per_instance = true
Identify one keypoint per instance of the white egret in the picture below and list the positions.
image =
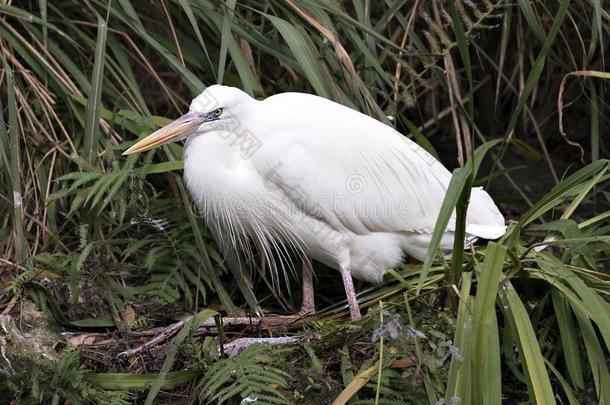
(299, 170)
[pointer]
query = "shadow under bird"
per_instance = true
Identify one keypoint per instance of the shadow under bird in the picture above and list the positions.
(300, 171)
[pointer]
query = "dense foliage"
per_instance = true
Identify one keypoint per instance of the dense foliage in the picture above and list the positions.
(514, 93)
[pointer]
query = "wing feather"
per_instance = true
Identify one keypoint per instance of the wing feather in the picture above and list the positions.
(357, 173)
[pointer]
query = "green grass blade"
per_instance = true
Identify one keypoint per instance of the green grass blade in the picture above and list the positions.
(454, 190)
(459, 376)
(186, 6)
(483, 314)
(224, 297)
(103, 321)
(504, 41)
(594, 122)
(493, 366)
(127, 381)
(14, 162)
(586, 188)
(538, 381)
(459, 234)
(537, 69)
(569, 338)
(130, 17)
(597, 27)
(463, 47)
(586, 299)
(92, 120)
(420, 138)
(227, 21)
(305, 54)
(157, 384)
(163, 167)
(479, 154)
(532, 20)
(595, 355)
(557, 193)
(564, 384)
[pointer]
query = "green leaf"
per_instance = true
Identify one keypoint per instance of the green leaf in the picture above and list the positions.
(569, 338)
(159, 381)
(130, 17)
(191, 17)
(479, 155)
(532, 20)
(163, 167)
(483, 320)
(420, 138)
(104, 321)
(456, 185)
(596, 356)
(227, 21)
(568, 186)
(223, 295)
(536, 72)
(127, 381)
(459, 376)
(92, 119)
(493, 366)
(304, 53)
(14, 162)
(564, 384)
(538, 381)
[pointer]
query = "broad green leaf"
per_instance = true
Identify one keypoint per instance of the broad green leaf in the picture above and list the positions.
(456, 185)
(569, 338)
(538, 381)
(564, 384)
(459, 377)
(482, 322)
(127, 381)
(596, 356)
(104, 321)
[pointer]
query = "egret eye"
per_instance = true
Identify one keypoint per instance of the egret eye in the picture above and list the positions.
(217, 112)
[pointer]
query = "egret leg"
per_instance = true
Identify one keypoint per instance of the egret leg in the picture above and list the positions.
(350, 292)
(308, 306)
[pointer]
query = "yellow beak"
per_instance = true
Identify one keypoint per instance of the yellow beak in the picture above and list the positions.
(173, 131)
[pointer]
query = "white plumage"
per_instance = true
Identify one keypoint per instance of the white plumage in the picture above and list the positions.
(298, 169)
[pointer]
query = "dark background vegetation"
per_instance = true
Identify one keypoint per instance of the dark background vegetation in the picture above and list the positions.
(104, 248)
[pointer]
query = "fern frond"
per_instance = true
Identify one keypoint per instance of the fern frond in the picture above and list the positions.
(248, 375)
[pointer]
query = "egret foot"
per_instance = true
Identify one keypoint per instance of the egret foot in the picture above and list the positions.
(350, 292)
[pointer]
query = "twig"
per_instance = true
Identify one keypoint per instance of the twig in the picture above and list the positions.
(10, 305)
(233, 348)
(165, 334)
(162, 334)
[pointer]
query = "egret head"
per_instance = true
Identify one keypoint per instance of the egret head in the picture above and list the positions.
(216, 108)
